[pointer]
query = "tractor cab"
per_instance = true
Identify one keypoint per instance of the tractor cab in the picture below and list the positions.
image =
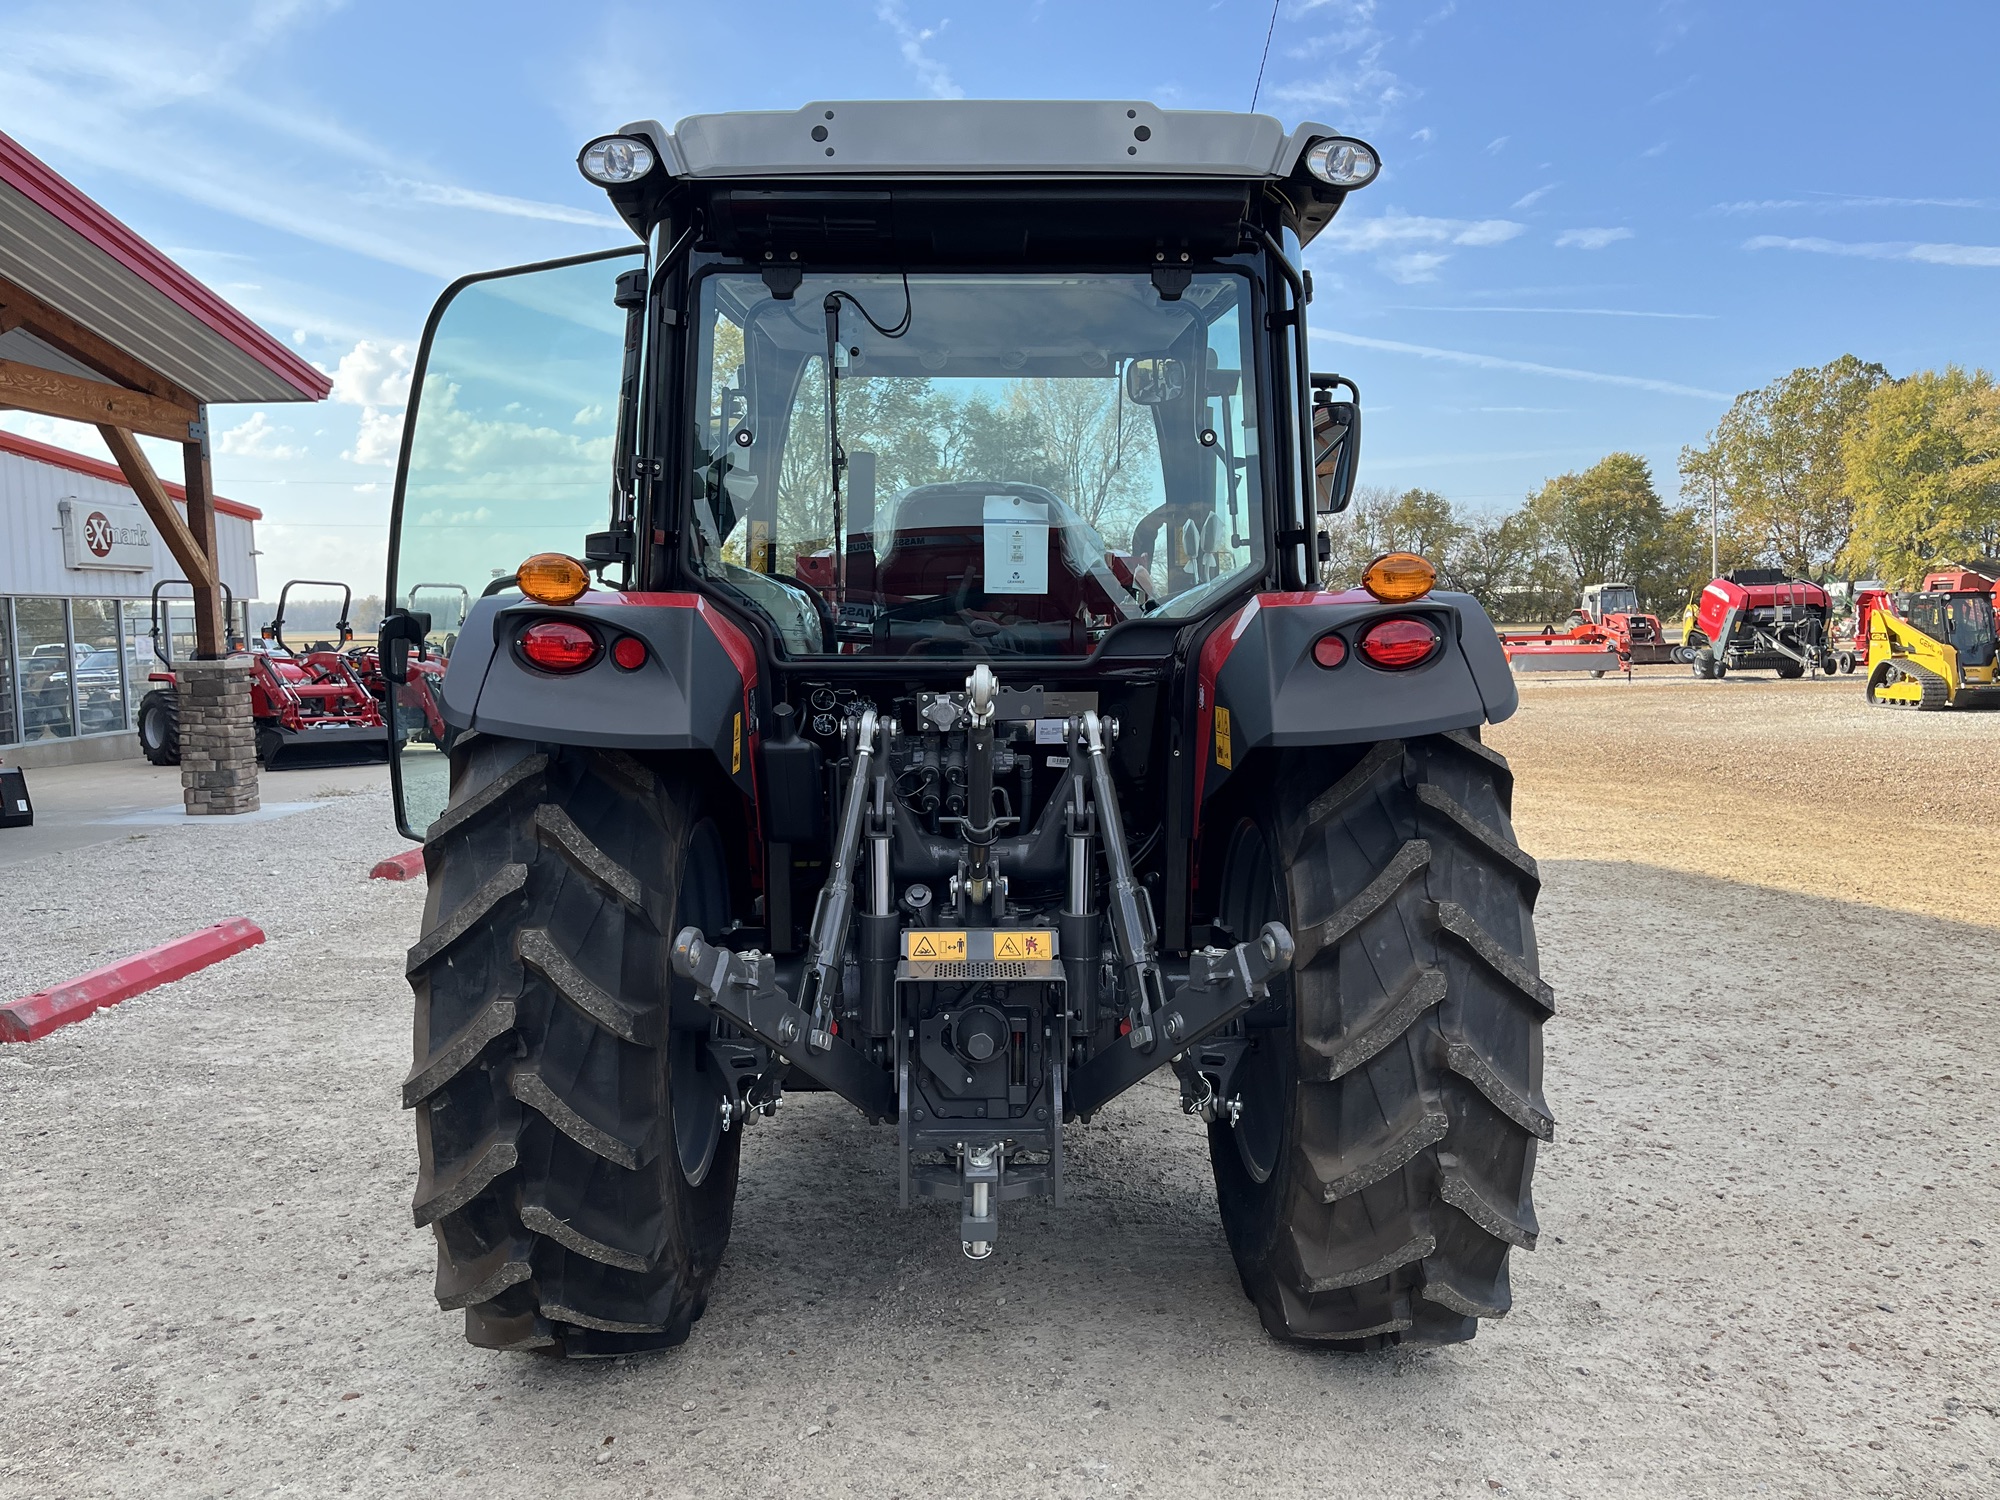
(1601, 600)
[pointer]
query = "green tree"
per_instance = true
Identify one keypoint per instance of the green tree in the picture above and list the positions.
(1924, 461)
(1776, 461)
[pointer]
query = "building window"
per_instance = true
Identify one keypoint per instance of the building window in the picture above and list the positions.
(9, 725)
(100, 673)
(41, 655)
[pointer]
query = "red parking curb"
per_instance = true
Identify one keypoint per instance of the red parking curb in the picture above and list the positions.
(409, 865)
(38, 1014)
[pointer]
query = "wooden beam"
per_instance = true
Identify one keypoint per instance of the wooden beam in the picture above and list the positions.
(20, 307)
(138, 471)
(211, 634)
(31, 388)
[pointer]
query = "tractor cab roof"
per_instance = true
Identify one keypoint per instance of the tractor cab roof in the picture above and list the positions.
(1017, 176)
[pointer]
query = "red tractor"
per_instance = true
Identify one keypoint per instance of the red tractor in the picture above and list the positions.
(314, 704)
(1758, 619)
(1607, 633)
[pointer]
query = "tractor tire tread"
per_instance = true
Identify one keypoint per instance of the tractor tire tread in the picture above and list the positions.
(548, 1170)
(1403, 1179)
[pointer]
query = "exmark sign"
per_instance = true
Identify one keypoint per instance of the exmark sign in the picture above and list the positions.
(118, 538)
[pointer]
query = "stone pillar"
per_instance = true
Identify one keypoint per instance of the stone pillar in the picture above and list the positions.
(218, 736)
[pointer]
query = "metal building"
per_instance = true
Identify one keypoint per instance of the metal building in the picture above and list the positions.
(79, 559)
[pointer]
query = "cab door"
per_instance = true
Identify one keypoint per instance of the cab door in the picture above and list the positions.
(510, 448)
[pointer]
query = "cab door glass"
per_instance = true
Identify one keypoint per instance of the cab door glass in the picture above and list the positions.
(514, 409)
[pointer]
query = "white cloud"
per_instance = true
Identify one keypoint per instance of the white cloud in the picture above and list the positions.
(373, 374)
(378, 439)
(1423, 137)
(910, 41)
(1529, 200)
(1833, 202)
(499, 203)
(1586, 312)
(1394, 228)
(375, 377)
(1413, 267)
(256, 438)
(1928, 254)
(1526, 367)
(1498, 144)
(1590, 239)
(1357, 89)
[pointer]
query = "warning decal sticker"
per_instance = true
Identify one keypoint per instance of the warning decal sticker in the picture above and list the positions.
(936, 947)
(1223, 756)
(1022, 945)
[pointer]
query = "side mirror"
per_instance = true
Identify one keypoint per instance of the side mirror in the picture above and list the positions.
(1154, 381)
(401, 629)
(1336, 449)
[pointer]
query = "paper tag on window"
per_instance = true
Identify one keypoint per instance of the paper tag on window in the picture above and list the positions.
(1017, 545)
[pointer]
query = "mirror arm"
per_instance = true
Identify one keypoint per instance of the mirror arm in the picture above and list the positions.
(1302, 416)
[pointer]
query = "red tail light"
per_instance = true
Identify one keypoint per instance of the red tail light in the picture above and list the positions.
(1329, 650)
(558, 646)
(1400, 643)
(629, 652)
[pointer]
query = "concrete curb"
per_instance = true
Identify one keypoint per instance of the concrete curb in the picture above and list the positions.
(409, 865)
(38, 1014)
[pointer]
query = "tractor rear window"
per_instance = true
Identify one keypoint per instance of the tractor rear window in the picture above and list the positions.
(1003, 466)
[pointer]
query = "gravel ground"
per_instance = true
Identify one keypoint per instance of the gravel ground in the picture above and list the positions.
(1767, 1261)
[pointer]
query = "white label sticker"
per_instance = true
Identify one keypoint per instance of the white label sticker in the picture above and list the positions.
(1017, 545)
(1049, 731)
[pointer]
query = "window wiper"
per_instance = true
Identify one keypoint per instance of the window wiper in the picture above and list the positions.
(837, 455)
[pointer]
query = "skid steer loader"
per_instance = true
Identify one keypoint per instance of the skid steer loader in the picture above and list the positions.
(870, 738)
(1929, 650)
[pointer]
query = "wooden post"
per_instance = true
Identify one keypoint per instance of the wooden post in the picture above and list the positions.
(138, 470)
(211, 632)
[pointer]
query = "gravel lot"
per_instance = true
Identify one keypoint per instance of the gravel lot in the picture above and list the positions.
(1769, 1249)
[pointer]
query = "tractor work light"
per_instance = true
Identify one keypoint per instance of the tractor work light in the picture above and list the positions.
(552, 578)
(1343, 162)
(1398, 577)
(1399, 643)
(614, 160)
(558, 646)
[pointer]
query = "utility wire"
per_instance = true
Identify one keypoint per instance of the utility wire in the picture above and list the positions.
(1268, 30)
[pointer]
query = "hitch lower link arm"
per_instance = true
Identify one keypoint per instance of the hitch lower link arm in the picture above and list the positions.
(833, 914)
(1222, 983)
(1131, 913)
(743, 987)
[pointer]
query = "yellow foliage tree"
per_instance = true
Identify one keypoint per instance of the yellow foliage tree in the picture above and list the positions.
(1923, 463)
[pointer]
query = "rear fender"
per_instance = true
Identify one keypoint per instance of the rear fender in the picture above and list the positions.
(1258, 685)
(696, 689)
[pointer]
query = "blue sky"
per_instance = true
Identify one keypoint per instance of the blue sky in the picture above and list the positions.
(1596, 223)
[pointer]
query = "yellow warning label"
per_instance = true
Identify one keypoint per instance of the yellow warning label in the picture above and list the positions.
(1022, 945)
(736, 747)
(1223, 751)
(760, 547)
(937, 947)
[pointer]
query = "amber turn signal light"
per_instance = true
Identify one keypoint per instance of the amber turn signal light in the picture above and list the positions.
(1397, 577)
(551, 578)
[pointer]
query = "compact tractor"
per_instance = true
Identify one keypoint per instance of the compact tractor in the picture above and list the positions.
(1933, 648)
(945, 714)
(313, 705)
(1607, 632)
(1758, 619)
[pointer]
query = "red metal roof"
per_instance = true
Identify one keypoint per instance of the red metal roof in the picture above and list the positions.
(97, 468)
(197, 340)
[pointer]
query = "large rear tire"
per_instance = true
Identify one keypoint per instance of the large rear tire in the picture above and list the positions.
(573, 1162)
(160, 728)
(1392, 1096)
